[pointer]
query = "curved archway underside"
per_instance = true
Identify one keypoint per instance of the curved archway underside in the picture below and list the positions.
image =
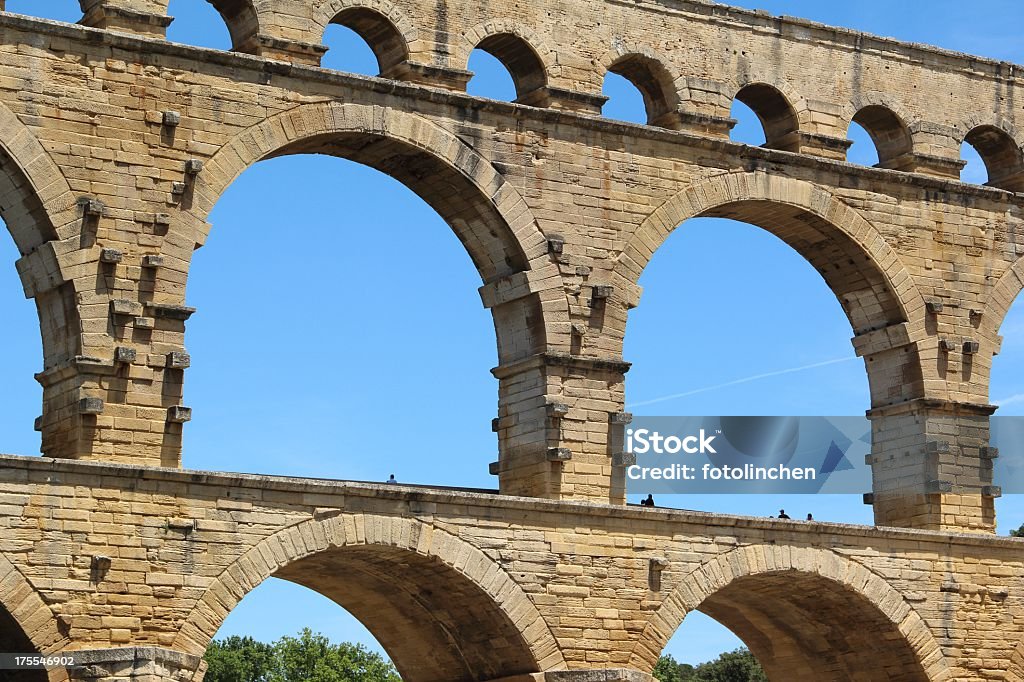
(802, 627)
(436, 625)
(856, 280)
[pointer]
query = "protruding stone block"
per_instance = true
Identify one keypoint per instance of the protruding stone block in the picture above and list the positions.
(992, 491)
(557, 410)
(111, 256)
(623, 459)
(124, 307)
(556, 245)
(124, 355)
(621, 418)
(37, 425)
(947, 345)
(171, 312)
(971, 347)
(494, 468)
(559, 454)
(92, 208)
(152, 261)
(939, 486)
(171, 119)
(178, 360)
(179, 414)
(988, 452)
(90, 405)
(869, 498)
(144, 322)
(193, 167)
(933, 307)
(178, 188)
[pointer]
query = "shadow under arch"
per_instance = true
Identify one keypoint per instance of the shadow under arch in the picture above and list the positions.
(856, 262)
(776, 112)
(646, 70)
(441, 608)
(242, 20)
(1001, 153)
(379, 32)
(889, 133)
(864, 273)
(487, 214)
(806, 614)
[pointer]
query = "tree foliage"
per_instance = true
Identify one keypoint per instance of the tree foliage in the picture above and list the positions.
(1018, 533)
(307, 658)
(734, 666)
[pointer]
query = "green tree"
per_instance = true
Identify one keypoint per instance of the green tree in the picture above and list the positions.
(1019, 533)
(310, 657)
(239, 659)
(734, 666)
(669, 670)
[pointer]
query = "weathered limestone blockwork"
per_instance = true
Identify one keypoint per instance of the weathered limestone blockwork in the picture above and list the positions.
(137, 567)
(115, 145)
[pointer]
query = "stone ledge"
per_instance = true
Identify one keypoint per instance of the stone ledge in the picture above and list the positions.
(47, 467)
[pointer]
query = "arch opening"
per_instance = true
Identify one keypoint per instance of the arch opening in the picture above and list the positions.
(199, 24)
(1001, 156)
(378, 32)
(520, 59)
(889, 135)
(655, 85)
(853, 275)
(777, 117)
(242, 21)
(802, 626)
(442, 610)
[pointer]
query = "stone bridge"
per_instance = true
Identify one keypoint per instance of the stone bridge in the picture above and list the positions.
(115, 145)
(471, 585)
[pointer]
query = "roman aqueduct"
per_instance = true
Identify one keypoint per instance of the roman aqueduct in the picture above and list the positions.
(115, 144)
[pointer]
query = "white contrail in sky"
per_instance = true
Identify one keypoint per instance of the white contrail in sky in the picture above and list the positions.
(1016, 398)
(744, 380)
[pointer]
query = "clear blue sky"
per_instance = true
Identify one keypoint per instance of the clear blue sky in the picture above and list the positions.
(317, 373)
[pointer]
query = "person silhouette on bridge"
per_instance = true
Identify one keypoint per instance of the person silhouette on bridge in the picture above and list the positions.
(783, 514)
(392, 479)
(648, 501)
(810, 517)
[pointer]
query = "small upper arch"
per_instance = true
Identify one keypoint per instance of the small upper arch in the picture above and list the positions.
(777, 109)
(642, 66)
(527, 57)
(1000, 148)
(887, 124)
(243, 22)
(384, 27)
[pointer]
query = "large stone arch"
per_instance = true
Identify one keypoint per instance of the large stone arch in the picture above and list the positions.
(809, 612)
(443, 609)
(488, 215)
(785, 206)
(24, 614)
(36, 201)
